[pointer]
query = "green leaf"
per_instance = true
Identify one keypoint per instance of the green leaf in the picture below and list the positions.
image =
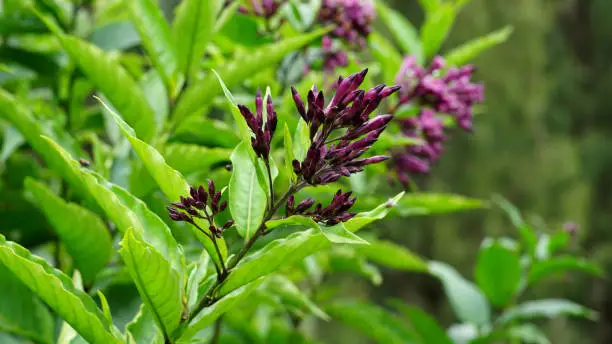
(107, 74)
(436, 27)
(209, 314)
(385, 53)
(402, 30)
(196, 276)
(157, 96)
(425, 325)
(189, 159)
(21, 312)
(143, 330)
(524, 333)
(193, 28)
(202, 92)
(467, 300)
(335, 234)
(498, 272)
(373, 321)
(247, 199)
(57, 291)
(11, 140)
(468, 51)
(292, 296)
(430, 5)
(431, 203)
(345, 258)
(159, 284)
(546, 308)
(556, 265)
(157, 39)
(206, 132)
(288, 143)
(365, 218)
(389, 254)
(301, 140)
(243, 128)
(82, 232)
(119, 35)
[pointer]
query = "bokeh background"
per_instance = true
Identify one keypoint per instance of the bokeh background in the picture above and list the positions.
(544, 142)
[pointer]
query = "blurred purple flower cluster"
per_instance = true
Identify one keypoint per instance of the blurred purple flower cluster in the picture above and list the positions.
(347, 115)
(352, 19)
(437, 93)
(262, 8)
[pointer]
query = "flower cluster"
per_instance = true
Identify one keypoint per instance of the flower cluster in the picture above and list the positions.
(332, 58)
(334, 213)
(451, 93)
(417, 159)
(329, 158)
(202, 205)
(262, 8)
(352, 18)
(263, 134)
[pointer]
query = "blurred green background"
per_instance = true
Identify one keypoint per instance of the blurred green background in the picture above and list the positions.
(544, 143)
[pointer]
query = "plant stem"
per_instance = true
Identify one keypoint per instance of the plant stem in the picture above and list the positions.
(270, 182)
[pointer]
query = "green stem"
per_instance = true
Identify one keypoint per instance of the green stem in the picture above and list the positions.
(217, 331)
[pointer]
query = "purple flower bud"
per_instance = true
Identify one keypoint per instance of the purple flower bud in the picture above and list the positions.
(228, 224)
(259, 106)
(211, 187)
(299, 104)
(202, 195)
(223, 206)
(371, 125)
(304, 205)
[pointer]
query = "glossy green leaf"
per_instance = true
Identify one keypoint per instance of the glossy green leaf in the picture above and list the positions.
(430, 5)
(386, 54)
(196, 277)
(436, 28)
(389, 254)
(118, 35)
(57, 291)
(247, 198)
(425, 325)
(547, 308)
(498, 272)
(82, 232)
(187, 158)
(468, 302)
(21, 312)
(292, 296)
(337, 234)
(243, 129)
(431, 203)
(403, 31)
(378, 324)
(557, 265)
(157, 39)
(107, 74)
(288, 143)
(301, 140)
(235, 72)
(143, 330)
(209, 314)
(468, 51)
(159, 284)
(365, 218)
(193, 28)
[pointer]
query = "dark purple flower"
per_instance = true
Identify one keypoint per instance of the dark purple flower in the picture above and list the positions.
(341, 131)
(449, 92)
(200, 204)
(352, 19)
(262, 133)
(262, 8)
(335, 212)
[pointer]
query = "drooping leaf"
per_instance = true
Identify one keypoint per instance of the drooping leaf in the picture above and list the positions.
(373, 321)
(107, 74)
(498, 272)
(57, 291)
(247, 199)
(193, 28)
(402, 30)
(556, 265)
(292, 296)
(21, 312)
(431, 203)
(233, 73)
(157, 39)
(209, 314)
(468, 302)
(427, 328)
(389, 254)
(468, 51)
(82, 232)
(187, 158)
(159, 284)
(143, 329)
(436, 28)
(546, 308)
